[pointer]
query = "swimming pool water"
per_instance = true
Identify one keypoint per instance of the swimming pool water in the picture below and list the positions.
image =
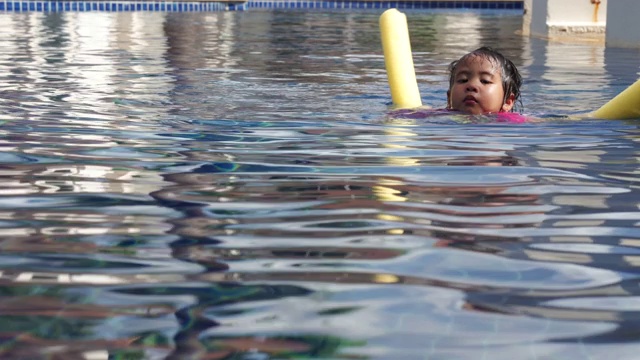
(228, 186)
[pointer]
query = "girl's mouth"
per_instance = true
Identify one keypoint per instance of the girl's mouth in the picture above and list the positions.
(470, 100)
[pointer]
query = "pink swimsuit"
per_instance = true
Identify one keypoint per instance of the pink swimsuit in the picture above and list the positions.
(510, 117)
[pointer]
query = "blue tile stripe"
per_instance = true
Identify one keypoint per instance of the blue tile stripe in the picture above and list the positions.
(117, 6)
(195, 6)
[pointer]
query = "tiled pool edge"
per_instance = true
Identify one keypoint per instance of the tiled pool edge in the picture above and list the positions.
(450, 4)
(113, 6)
(196, 6)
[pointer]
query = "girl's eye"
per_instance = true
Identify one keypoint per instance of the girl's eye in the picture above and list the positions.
(485, 81)
(462, 81)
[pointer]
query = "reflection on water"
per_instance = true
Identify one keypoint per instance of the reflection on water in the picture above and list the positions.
(228, 186)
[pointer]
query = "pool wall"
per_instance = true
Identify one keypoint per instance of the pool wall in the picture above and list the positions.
(195, 6)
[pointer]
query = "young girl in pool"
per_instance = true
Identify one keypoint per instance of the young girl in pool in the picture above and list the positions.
(482, 82)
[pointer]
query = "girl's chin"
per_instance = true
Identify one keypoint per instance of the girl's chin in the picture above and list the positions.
(469, 108)
(472, 111)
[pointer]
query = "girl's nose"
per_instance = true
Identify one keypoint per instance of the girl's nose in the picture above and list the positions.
(471, 86)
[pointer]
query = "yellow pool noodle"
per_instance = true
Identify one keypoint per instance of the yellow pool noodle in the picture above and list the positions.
(624, 106)
(399, 60)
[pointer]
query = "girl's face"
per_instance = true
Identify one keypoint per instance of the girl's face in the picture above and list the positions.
(477, 88)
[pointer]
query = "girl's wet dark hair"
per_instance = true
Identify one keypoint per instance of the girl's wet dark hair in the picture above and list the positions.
(511, 78)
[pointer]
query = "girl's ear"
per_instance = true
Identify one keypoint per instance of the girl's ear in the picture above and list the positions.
(509, 103)
(449, 99)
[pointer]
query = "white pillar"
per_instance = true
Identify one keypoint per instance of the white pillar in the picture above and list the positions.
(558, 17)
(623, 27)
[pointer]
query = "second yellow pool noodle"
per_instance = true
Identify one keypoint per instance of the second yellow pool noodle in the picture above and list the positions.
(624, 106)
(399, 60)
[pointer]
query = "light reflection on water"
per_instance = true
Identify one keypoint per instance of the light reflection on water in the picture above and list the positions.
(227, 186)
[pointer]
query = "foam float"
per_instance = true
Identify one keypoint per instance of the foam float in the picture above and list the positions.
(405, 94)
(624, 106)
(398, 59)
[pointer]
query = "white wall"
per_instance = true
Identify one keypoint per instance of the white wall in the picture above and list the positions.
(623, 25)
(548, 16)
(576, 12)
